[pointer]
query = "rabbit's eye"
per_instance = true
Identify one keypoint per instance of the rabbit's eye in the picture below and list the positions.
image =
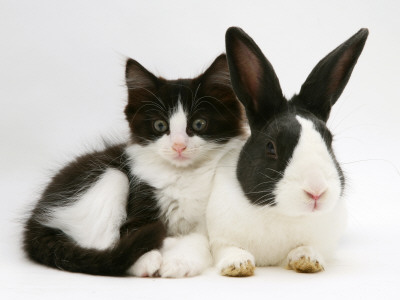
(271, 150)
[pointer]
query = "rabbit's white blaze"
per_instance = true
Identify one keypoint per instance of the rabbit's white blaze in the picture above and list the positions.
(311, 183)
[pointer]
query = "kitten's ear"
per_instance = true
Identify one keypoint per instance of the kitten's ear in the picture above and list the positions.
(137, 77)
(217, 73)
(328, 79)
(253, 77)
(141, 86)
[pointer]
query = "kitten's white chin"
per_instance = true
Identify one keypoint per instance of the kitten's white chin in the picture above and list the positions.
(181, 161)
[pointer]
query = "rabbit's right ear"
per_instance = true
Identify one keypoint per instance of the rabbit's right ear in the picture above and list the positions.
(253, 78)
(329, 77)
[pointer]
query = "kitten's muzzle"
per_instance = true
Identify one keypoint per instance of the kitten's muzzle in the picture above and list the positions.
(179, 147)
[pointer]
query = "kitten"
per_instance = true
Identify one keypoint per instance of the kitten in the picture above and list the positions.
(139, 208)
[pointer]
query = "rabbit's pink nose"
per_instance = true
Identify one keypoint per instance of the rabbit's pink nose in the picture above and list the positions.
(179, 147)
(314, 196)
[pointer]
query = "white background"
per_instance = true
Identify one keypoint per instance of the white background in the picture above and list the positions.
(62, 88)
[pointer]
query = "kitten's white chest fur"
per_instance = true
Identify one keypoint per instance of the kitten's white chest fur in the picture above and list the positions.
(182, 181)
(183, 200)
(182, 193)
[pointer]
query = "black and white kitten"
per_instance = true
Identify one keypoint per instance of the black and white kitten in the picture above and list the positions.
(139, 208)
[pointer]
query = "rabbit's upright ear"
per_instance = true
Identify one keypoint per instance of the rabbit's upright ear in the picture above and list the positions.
(328, 79)
(253, 78)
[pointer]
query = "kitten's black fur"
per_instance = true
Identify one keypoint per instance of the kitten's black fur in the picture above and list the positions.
(214, 86)
(143, 230)
(54, 248)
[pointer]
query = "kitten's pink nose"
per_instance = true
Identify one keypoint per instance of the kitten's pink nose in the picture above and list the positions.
(179, 147)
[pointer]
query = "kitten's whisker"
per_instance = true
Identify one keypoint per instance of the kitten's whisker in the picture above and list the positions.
(194, 100)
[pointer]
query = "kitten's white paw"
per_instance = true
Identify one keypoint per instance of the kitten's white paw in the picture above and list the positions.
(305, 259)
(148, 265)
(185, 256)
(169, 243)
(177, 267)
(236, 263)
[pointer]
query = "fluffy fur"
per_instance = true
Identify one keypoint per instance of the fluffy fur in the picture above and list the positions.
(280, 202)
(139, 208)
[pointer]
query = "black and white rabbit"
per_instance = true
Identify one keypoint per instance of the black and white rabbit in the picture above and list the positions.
(281, 203)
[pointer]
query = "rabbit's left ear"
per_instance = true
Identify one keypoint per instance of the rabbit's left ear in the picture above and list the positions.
(328, 79)
(253, 78)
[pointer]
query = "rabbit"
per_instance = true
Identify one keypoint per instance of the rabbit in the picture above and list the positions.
(278, 199)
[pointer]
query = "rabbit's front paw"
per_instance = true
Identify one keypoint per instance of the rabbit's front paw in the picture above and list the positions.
(237, 263)
(242, 269)
(305, 259)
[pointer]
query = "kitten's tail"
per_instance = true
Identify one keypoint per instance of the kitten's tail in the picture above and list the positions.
(52, 247)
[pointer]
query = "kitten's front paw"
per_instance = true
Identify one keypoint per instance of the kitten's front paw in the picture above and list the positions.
(305, 259)
(177, 267)
(185, 256)
(238, 263)
(148, 265)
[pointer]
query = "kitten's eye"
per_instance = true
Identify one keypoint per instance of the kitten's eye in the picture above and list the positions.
(199, 124)
(271, 150)
(160, 126)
